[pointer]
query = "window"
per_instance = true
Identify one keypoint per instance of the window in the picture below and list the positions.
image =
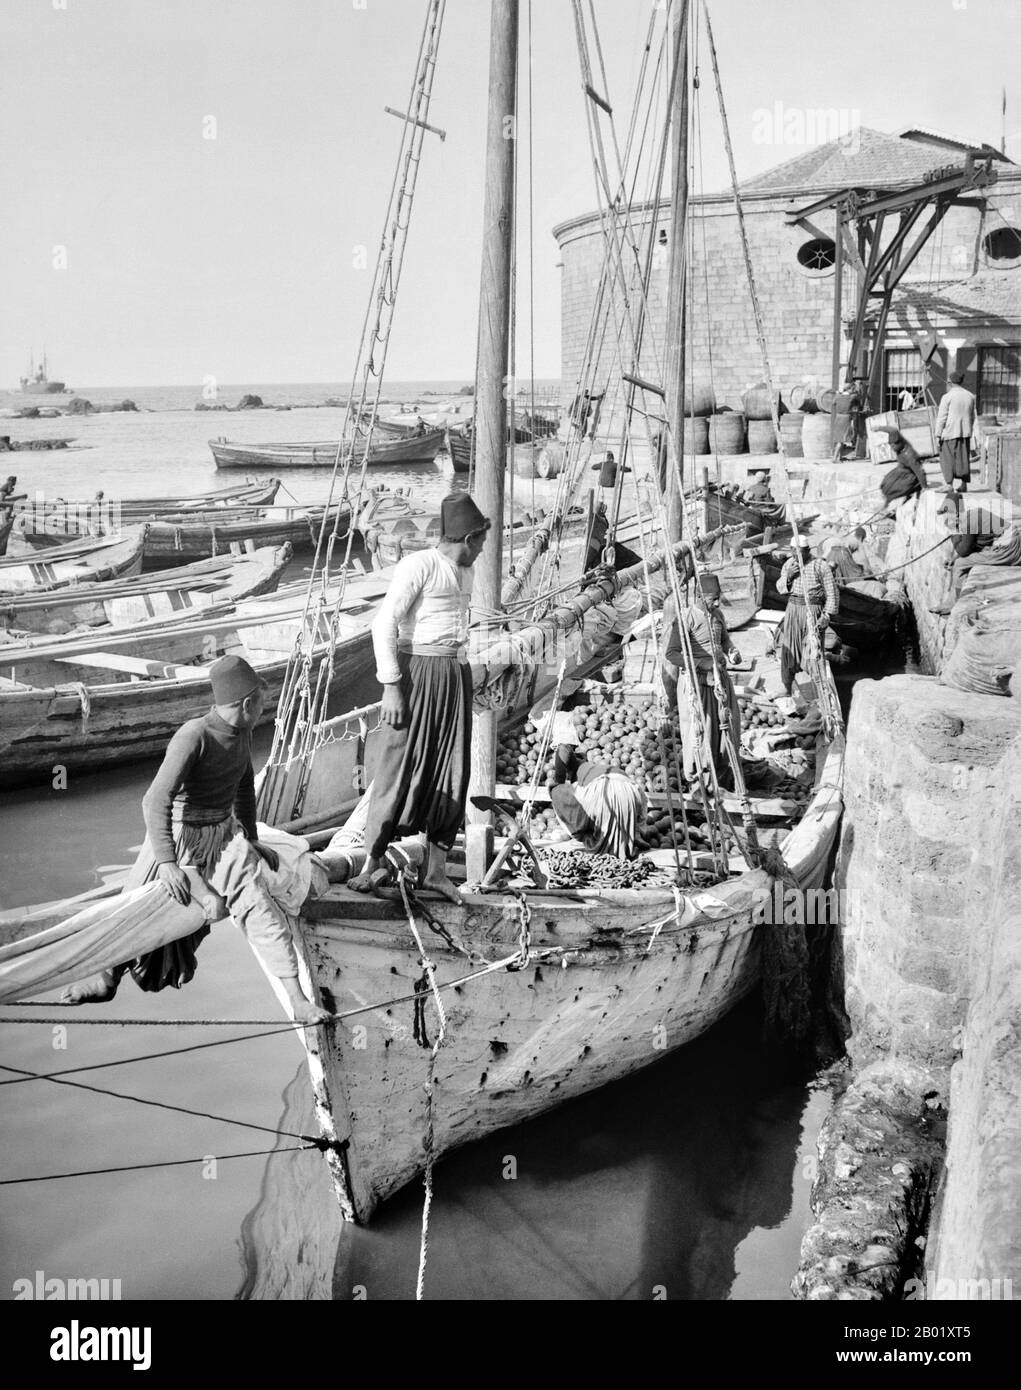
(1003, 247)
(818, 255)
(903, 373)
(999, 380)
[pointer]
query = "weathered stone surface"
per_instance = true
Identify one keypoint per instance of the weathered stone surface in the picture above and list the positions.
(979, 1233)
(930, 870)
(880, 1154)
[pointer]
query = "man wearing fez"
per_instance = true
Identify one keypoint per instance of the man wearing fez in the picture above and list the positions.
(200, 812)
(420, 780)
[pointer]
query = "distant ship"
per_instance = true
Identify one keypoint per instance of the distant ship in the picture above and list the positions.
(37, 383)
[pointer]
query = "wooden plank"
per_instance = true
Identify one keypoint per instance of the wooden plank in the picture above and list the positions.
(136, 666)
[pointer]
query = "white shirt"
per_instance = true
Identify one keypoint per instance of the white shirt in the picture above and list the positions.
(427, 602)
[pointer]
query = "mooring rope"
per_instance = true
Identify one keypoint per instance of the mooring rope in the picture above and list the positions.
(144, 1100)
(144, 1057)
(163, 1163)
(429, 1136)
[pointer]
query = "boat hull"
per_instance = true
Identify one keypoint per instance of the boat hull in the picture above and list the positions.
(615, 979)
(389, 452)
(88, 727)
(61, 519)
(598, 1004)
(77, 563)
(118, 603)
(179, 542)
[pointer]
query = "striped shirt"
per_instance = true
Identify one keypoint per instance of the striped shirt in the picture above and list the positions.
(822, 586)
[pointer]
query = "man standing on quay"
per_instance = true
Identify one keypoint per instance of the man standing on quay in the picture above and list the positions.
(420, 780)
(955, 424)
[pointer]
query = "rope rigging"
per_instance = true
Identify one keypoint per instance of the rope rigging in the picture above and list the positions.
(304, 697)
(814, 656)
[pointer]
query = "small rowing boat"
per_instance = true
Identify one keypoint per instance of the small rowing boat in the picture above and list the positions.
(387, 452)
(90, 702)
(77, 562)
(178, 538)
(120, 603)
(865, 618)
(45, 522)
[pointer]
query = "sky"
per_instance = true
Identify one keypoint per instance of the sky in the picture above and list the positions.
(185, 256)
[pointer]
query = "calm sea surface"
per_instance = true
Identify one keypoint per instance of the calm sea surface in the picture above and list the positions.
(693, 1175)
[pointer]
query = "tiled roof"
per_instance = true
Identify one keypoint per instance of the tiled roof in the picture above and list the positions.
(923, 134)
(862, 159)
(989, 296)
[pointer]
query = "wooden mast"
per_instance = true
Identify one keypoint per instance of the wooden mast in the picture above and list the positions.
(675, 317)
(491, 404)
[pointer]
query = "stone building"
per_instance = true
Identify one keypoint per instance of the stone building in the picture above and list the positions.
(962, 295)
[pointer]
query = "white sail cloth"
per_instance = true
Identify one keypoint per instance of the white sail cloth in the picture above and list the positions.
(120, 928)
(103, 935)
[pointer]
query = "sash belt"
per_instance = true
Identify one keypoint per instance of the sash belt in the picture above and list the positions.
(199, 815)
(429, 649)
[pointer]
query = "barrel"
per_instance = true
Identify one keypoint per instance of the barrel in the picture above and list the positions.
(801, 398)
(526, 462)
(551, 460)
(826, 399)
(699, 400)
(757, 404)
(726, 433)
(761, 437)
(815, 436)
(696, 436)
(790, 433)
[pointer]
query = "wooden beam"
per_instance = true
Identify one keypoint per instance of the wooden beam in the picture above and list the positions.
(676, 289)
(414, 121)
(491, 405)
(838, 289)
(905, 261)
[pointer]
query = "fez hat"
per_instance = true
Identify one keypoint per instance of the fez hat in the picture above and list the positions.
(459, 517)
(710, 586)
(232, 679)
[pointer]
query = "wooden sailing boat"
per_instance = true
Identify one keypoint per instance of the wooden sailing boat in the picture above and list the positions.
(546, 994)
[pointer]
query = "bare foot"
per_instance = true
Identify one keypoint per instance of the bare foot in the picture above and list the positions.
(361, 884)
(444, 887)
(97, 989)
